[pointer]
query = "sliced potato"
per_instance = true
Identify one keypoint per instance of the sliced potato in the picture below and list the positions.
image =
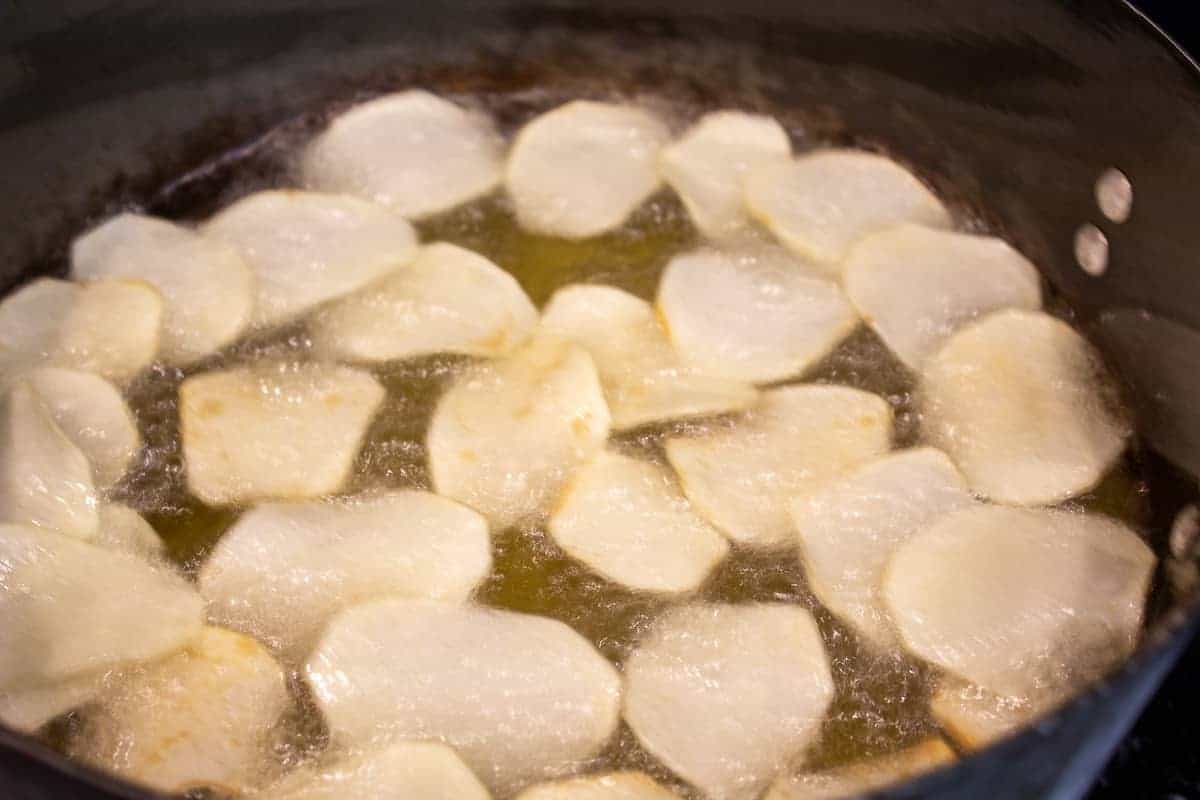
(708, 164)
(627, 520)
(199, 718)
(850, 527)
(113, 329)
(69, 608)
(520, 697)
(92, 414)
(1014, 599)
(30, 317)
(411, 151)
(305, 248)
(27, 710)
(726, 696)
(449, 300)
(582, 168)
(1024, 406)
(284, 569)
(821, 202)
(860, 778)
(974, 717)
(608, 786)
(402, 770)
(45, 480)
(644, 380)
(916, 286)
(754, 315)
(742, 478)
(274, 431)
(123, 529)
(507, 435)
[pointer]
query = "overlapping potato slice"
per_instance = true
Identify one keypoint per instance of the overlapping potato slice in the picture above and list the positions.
(850, 527)
(449, 300)
(274, 431)
(608, 786)
(31, 316)
(1014, 599)
(974, 717)
(125, 530)
(199, 718)
(820, 203)
(45, 480)
(644, 380)
(582, 168)
(742, 478)
(402, 770)
(754, 315)
(727, 695)
(284, 569)
(411, 151)
(627, 520)
(916, 286)
(859, 778)
(708, 164)
(507, 435)
(28, 709)
(520, 697)
(207, 289)
(1025, 408)
(305, 248)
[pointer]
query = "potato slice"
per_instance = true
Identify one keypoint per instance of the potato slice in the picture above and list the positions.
(820, 203)
(520, 697)
(644, 380)
(609, 786)
(742, 478)
(627, 520)
(725, 696)
(45, 480)
(284, 569)
(305, 248)
(30, 318)
(1024, 406)
(414, 770)
(199, 718)
(411, 151)
(850, 527)
(274, 431)
(1014, 599)
(916, 286)
(27, 710)
(92, 414)
(69, 608)
(708, 164)
(113, 329)
(974, 717)
(755, 315)
(860, 778)
(123, 529)
(507, 435)
(582, 168)
(450, 300)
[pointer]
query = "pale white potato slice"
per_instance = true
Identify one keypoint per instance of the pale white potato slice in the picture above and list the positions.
(411, 151)
(45, 480)
(507, 435)
(754, 315)
(850, 527)
(92, 414)
(743, 477)
(274, 431)
(1024, 406)
(627, 520)
(207, 288)
(305, 248)
(974, 717)
(31, 316)
(644, 380)
(916, 286)
(582, 168)
(284, 569)
(27, 710)
(123, 529)
(727, 695)
(862, 777)
(69, 608)
(405, 770)
(820, 203)
(708, 164)
(200, 717)
(1014, 599)
(520, 697)
(113, 329)
(449, 300)
(608, 786)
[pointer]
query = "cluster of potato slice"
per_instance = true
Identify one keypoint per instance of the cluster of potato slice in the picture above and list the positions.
(946, 551)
